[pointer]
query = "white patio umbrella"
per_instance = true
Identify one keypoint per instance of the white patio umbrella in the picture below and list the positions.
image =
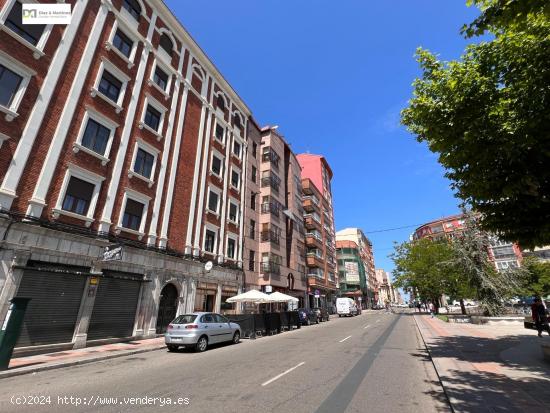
(278, 297)
(252, 296)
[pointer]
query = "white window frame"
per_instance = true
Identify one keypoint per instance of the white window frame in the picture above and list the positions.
(26, 73)
(239, 172)
(237, 138)
(170, 72)
(38, 50)
(215, 230)
(237, 205)
(219, 193)
(85, 175)
(138, 197)
(235, 238)
(221, 122)
(222, 158)
(103, 120)
(150, 100)
(116, 72)
(141, 144)
(109, 45)
(128, 19)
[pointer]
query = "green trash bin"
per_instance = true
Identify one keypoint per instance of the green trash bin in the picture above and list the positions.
(10, 329)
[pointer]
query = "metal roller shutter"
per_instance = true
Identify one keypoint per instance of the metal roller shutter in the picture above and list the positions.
(114, 308)
(53, 310)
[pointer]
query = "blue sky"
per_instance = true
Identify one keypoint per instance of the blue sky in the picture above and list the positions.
(334, 76)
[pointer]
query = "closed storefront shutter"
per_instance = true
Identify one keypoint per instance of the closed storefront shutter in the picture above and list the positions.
(53, 310)
(115, 307)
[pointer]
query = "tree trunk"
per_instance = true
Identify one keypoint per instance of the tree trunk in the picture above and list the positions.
(462, 306)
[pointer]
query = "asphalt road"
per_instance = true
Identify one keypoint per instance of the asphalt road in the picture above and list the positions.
(374, 362)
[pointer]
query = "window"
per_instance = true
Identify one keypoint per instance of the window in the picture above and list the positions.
(213, 199)
(231, 247)
(252, 229)
(251, 260)
(78, 196)
(217, 165)
(9, 85)
(123, 43)
(253, 201)
(152, 118)
(144, 162)
(133, 8)
(254, 173)
(237, 149)
(96, 137)
(254, 149)
(235, 178)
(161, 78)
(233, 212)
(237, 121)
(220, 103)
(110, 86)
(166, 43)
(30, 32)
(132, 214)
(209, 240)
(219, 132)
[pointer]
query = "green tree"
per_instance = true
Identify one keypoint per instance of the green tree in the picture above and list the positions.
(536, 280)
(423, 267)
(487, 116)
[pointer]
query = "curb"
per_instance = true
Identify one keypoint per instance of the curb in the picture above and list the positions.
(435, 367)
(31, 369)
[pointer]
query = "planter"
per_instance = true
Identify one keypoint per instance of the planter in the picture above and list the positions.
(455, 318)
(498, 321)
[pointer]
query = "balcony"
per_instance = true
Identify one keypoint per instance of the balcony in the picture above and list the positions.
(310, 204)
(270, 236)
(313, 240)
(273, 181)
(308, 187)
(270, 267)
(314, 260)
(272, 208)
(269, 155)
(312, 221)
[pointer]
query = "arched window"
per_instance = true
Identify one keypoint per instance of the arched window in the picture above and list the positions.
(166, 43)
(220, 103)
(133, 8)
(237, 121)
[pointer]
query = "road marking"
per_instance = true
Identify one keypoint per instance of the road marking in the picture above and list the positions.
(368, 325)
(283, 373)
(344, 339)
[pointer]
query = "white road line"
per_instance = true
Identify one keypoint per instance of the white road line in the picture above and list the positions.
(344, 339)
(283, 373)
(368, 325)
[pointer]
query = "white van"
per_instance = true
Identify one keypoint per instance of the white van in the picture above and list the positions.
(346, 306)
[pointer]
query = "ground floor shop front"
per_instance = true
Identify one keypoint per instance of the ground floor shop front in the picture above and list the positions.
(76, 299)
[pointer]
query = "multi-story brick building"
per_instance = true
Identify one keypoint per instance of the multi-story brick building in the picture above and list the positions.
(502, 254)
(281, 250)
(117, 129)
(320, 235)
(363, 247)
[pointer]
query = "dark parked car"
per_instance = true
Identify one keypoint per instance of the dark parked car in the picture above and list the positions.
(307, 316)
(322, 313)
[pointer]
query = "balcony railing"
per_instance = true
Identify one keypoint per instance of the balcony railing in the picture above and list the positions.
(271, 236)
(269, 155)
(314, 216)
(272, 181)
(270, 267)
(272, 208)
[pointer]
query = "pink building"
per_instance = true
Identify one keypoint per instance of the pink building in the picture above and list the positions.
(320, 235)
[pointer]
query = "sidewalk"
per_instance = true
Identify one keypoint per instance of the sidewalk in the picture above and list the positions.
(488, 368)
(24, 365)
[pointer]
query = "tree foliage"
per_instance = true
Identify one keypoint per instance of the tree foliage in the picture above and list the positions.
(487, 116)
(536, 281)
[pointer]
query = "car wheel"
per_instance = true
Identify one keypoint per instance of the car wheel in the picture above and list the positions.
(236, 337)
(172, 347)
(317, 320)
(339, 315)
(202, 344)
(308, 322)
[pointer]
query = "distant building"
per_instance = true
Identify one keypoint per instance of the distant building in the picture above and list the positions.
(502, 254)
(362, 252)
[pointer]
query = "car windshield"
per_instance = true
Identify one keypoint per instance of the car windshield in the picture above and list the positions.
(184, 319)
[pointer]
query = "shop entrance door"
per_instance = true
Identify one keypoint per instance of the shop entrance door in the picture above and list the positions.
(168, 307)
